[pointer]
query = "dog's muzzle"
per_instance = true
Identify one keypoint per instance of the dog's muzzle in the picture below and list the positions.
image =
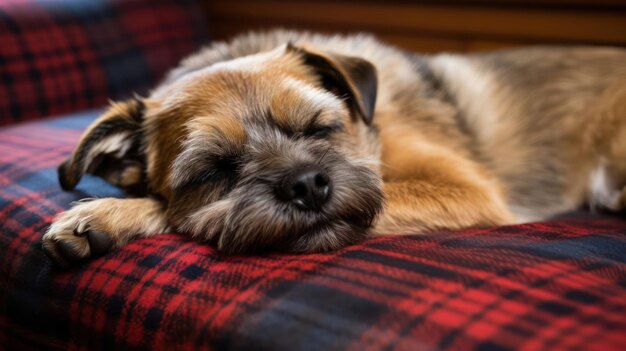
(308, 188)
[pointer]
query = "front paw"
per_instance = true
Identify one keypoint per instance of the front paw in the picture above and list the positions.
(71, 239)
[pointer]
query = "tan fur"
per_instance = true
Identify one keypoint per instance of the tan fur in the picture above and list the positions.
(429, 186)
(455, 141)
(122, 219)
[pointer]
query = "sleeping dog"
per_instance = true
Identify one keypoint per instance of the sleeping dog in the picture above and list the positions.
(297, 142)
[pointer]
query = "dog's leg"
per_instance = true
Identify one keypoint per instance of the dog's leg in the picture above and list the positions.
(95, 226)
(431, 188)
(425, 205)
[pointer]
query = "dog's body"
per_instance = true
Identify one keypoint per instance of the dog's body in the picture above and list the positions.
(291, 141)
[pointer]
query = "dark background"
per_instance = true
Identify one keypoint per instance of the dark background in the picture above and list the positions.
(432, 26)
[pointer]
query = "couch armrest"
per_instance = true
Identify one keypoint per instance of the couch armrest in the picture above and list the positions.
(63, 56)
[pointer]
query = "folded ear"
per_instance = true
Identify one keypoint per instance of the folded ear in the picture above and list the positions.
(348, 77)
(110, 148)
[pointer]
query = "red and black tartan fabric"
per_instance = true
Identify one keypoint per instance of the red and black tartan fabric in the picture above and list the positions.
(63, 56)
(559, 285)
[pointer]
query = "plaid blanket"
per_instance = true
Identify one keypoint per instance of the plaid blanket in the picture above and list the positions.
(559, 285)
(68, 55)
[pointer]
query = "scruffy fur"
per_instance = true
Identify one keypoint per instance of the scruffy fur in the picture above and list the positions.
(411, 143)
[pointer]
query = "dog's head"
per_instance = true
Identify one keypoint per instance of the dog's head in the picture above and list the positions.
(274, 151)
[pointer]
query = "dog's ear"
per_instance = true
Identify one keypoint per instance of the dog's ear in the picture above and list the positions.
(348, 77)
(110, 148)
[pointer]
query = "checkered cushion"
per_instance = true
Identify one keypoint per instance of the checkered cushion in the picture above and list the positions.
(552, 286)
(67, 55)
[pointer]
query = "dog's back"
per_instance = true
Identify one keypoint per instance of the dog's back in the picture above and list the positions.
(549, 122)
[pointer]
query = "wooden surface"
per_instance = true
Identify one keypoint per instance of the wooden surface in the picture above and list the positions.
(432, 26)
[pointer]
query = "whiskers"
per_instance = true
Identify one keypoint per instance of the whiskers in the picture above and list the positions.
(321, 158)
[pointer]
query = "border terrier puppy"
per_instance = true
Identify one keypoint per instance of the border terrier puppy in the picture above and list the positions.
(298, 142)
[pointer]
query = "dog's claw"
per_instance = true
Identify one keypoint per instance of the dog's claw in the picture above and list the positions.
(51, 251)
(99, 242)
(68, 251)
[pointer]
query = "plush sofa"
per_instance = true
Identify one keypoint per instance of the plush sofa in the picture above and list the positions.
(558, 285)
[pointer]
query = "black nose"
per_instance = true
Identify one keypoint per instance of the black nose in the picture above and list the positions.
(308, 188)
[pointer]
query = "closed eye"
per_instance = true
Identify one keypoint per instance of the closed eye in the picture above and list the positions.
(322, 131)
(223, 169)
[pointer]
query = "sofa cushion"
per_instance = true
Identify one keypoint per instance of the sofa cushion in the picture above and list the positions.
(63, 56)
(553, 286)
